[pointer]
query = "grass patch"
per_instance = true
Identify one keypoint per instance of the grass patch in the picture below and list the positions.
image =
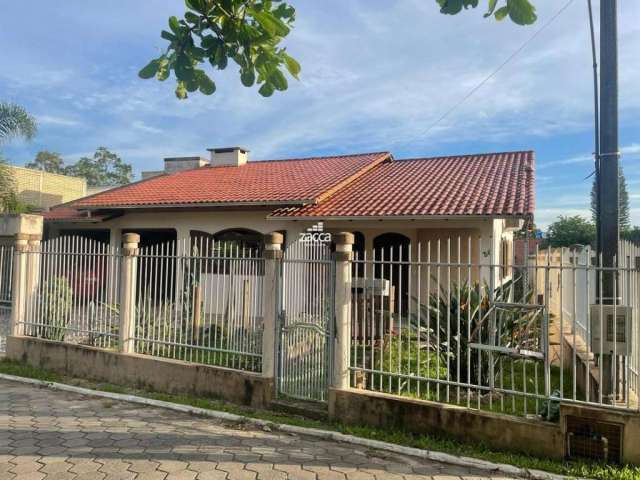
(428, 442)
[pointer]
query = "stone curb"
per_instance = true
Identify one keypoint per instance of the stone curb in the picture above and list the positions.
(311, 432)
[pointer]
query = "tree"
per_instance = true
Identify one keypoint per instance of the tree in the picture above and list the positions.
(48, 162)
(632, 234)
(567, 231)
(9, 201)
(15, 122)
(105, 168)
(7, 183)
(624, 217)
(250, 33)
(521, 12)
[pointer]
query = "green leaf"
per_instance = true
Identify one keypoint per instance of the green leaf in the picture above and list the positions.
(167, 35)
(278, 80)
(149, 70)
(248, 77)
(181, 91)
(271, 24)
(492, 7)
(206, 85)
(174, 25)
(522, 12)
(292, 66)
(266, 90)
(197, 5)
(191, 17)
(501, 13)
(450, 7)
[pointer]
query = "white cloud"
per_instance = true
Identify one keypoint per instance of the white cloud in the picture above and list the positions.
(56, 121)
(140, 125)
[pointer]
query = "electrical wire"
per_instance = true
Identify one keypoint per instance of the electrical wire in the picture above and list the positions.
(494, 72)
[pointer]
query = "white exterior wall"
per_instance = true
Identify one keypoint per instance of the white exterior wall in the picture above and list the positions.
(490, 230)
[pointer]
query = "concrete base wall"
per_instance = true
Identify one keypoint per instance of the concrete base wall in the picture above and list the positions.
(359, 407)
(142, 371)
(629, 420)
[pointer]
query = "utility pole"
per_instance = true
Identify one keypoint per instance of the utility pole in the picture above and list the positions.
(607, 159)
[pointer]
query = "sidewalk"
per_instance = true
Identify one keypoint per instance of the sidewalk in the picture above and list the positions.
(50, 435)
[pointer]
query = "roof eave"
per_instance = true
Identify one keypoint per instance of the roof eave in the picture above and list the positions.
(520, 216)
(278, 203)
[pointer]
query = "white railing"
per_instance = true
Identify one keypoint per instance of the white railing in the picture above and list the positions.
(201, 301)
(438, 321)
(74, 296)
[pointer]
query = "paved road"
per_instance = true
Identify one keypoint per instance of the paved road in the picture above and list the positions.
(58, 436)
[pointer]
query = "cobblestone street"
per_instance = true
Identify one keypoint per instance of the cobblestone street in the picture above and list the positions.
(57, 436)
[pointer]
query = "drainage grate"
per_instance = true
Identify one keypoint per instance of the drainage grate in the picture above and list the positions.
(587, 438)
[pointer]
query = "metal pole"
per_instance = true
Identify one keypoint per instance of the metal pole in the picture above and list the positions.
(607, 219)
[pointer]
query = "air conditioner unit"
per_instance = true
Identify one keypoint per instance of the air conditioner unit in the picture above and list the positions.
(602, 319)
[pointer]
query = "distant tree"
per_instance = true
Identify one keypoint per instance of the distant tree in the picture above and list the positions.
(632, 234)
(624, 217)
(567, 231)
(9, 201)
(15, 122)
(104, 168)
(48, 162)
(7, 182)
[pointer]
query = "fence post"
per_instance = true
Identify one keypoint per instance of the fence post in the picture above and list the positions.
(19, 287)
(33, 266)
(272, 256)
(342, 347)
(129, 274)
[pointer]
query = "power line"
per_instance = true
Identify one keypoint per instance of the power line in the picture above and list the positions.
(494, 72)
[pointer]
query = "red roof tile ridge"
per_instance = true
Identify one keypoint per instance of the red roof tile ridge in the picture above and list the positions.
(465, 155)
(319, 157)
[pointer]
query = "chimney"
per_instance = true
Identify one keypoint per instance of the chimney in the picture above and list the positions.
(175, 164)
(228, 156)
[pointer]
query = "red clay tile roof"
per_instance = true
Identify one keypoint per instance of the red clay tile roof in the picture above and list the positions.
(500, 184)
(294, 181)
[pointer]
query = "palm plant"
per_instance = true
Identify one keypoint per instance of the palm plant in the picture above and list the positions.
(455, 319)
(15, 122)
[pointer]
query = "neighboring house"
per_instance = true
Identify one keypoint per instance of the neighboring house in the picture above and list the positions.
(43, 189)
(385, 202)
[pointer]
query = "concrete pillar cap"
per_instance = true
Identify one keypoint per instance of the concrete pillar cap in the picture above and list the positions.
(273, 238)
(130, 238)
(35, 237)
(343, 238)
(21, 237)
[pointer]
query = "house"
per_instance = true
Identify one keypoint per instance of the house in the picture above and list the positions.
(477, 200)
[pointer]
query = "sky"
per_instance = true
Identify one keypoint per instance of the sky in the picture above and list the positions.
(376, 76)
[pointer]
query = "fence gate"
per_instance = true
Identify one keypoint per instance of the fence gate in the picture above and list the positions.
(6, 278)
(306, 321)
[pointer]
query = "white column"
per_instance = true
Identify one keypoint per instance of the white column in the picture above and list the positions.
(129, 274)
(272, 262)
(19, 293)
(342, 347)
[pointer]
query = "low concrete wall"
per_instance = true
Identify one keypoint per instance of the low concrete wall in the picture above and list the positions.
(360, 407)
(142, 371)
